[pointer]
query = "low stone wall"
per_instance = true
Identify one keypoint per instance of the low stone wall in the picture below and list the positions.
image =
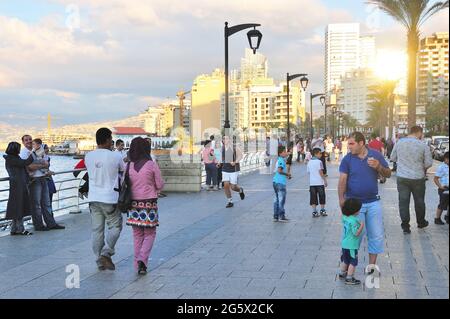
(180, 176)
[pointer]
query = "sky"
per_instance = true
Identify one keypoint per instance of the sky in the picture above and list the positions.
(97, 60)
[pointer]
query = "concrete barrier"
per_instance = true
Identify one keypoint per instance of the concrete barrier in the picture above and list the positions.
(179, 176)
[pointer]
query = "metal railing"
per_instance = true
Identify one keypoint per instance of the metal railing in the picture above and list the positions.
(249, 163)
(61, 200)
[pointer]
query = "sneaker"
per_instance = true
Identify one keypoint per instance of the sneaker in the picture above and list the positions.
(438, 221)
(107, 262)
(323, 212)
(425, 224)
(352, 281)
(315, 214)
(100, 265)
(241, 193)
(229, 205)
(343, 275)
(142, 269)
(275, 219)
(216, 188)
(284, 220)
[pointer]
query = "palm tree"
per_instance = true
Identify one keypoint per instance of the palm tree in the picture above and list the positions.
(412, 14)
(381, 110)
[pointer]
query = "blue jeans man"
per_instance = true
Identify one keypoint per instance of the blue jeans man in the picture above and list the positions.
(279, 201)
(42, 208)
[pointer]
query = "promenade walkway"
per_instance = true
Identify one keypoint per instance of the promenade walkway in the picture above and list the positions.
(206, 251)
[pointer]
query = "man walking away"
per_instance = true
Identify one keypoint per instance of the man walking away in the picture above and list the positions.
(413, 159)
(104, 167)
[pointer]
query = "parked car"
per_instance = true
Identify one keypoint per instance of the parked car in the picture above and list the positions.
(435, 140)
(440, 150)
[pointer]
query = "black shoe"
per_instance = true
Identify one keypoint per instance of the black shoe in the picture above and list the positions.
(323, 212)
(343, 275)
(241, 193)
(406, 231)
(352, 281)
(142, 269)
(315, 214)
(425, 224)
(57, 226)
(42, 229)
(229, 205)
(275, 219)
(438, 221)
(284, 220)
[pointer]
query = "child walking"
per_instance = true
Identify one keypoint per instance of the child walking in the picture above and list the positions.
(441, 181)
(353, 228)
(279, 186)
(317, 183)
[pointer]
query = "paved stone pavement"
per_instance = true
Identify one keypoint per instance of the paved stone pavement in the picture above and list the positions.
(206, 251)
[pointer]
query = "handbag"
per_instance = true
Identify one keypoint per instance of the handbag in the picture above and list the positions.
(124, 202)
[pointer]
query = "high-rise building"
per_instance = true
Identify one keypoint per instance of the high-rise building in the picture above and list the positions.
(354, 94)
(206, 95)
(253, 66)
(433, 67)
(367, 52)
(346, 50)
(342, 54)
(263, 103)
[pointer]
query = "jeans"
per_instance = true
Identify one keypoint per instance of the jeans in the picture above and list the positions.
(405, 188)
(17, 226)
(211, 174)
(101, 213)
(143, 243)
(279, 200)
(42, 208)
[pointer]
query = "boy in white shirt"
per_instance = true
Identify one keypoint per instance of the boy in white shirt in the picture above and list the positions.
(317, 183)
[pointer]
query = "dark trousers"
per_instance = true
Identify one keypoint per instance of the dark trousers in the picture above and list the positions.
(405, 188)
(324, 163)
(219, 175)
(211, 174)
(317, 191)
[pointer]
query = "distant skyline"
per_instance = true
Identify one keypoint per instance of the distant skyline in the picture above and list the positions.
(118, 56)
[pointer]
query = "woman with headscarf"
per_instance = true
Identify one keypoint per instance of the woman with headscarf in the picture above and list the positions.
(19, 202)
(145, 182)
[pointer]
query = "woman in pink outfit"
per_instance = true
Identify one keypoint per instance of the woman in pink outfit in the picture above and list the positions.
(145, 183)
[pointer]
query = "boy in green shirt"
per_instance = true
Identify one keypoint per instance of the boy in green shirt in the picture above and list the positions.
(353, 228)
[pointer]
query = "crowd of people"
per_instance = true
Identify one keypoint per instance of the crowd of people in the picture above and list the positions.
(111, 169)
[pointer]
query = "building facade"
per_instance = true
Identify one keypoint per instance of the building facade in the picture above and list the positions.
(354, 94)
(432, 82)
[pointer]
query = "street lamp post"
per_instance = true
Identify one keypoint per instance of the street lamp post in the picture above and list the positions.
(304, 84)
(322, 101)
(254, 39)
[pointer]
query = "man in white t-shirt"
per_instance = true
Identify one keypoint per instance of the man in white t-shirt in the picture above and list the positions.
(317, 183)
(104, 167)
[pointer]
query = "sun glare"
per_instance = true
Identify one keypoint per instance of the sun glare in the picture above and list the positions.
(391, 65)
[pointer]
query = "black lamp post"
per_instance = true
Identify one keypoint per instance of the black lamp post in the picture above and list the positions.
(254, 39)
(304, 84)
(322, 101)
(326, 107)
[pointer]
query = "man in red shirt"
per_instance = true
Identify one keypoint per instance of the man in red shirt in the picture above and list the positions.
(376, 145)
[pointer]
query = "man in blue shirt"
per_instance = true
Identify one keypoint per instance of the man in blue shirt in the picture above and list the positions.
(358, 179)
(279, 186)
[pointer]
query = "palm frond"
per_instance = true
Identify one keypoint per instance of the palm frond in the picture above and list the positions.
(435, 8)
(393, 8)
